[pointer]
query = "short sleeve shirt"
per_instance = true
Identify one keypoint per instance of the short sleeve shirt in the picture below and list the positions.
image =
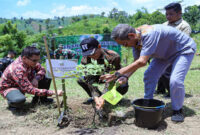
(181, 25)
(165, 42)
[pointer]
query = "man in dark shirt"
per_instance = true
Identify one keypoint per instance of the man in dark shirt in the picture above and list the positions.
(91, 49)
(4, 62)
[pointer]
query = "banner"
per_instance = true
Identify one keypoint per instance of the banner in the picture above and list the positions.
(60, 67)
(72, 42)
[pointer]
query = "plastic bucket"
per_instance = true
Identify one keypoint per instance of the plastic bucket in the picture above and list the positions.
(148, 112)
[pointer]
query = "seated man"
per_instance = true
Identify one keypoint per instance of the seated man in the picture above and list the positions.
(91, 49)
(22, 76)
(4, 62)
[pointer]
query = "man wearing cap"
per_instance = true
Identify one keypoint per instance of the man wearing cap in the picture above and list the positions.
(91, 49)
(174, 17)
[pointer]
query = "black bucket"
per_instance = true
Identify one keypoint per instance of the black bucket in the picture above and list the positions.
(148, 112)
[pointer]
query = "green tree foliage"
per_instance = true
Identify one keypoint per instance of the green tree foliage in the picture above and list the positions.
(192, 15)
(85, 17)
(75, 19)
(8, 28)
(40, 28)
(157, 18)
(96, 31)
(6, 44)
(11, 38)
(102, 14)
(120, 16)
(47, 23)
(20, 39)
(142, 17)
(106, 30)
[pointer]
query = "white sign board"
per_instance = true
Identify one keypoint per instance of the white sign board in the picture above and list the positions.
(60, 67)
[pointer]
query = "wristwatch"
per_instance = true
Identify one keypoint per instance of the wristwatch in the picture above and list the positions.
(117, 74)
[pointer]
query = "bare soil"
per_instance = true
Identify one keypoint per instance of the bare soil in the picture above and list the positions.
(42, 120)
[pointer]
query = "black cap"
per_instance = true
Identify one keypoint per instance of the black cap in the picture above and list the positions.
(88, 46)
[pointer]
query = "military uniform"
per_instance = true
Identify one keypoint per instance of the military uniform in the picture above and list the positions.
(58, 52)
(70, 54)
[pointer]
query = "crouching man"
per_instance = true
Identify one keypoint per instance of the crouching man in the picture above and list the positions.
(23, 76)
(91, 49)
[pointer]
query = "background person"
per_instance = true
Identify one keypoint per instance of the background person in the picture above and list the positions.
(22, 76)
(4, 62)
(65, 53)
(58, 52)
(70, 54)
(167, 46)
(174, 17)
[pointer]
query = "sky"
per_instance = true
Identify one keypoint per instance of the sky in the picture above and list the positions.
(49, 8)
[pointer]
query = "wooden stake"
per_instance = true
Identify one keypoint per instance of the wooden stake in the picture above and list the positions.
(52, 75)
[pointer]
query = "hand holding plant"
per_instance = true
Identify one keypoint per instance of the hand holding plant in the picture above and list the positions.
(99, 102)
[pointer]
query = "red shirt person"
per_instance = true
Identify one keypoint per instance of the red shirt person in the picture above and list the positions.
(22, 77)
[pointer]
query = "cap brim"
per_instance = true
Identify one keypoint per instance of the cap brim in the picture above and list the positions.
(89, 52)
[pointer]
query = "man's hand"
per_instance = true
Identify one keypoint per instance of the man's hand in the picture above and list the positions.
(107, 78)
(59, 92)
(34, 82)
(122, 80)
(99, 102)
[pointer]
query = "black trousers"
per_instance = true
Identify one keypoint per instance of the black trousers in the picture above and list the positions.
(16, 98)
(94, 91)
(163, 84)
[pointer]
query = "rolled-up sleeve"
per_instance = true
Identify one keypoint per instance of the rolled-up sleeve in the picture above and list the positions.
(25, 85)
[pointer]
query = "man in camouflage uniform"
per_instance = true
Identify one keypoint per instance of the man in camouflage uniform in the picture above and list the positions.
(58, 52)
(91, 49)
(70, 54)
(65, 53)
(174, 17)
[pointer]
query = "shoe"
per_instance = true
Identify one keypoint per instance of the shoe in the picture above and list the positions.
(11, 108)
(159, 92)
(43, 100)
(177, 116)
(89, 101)
(35, 100)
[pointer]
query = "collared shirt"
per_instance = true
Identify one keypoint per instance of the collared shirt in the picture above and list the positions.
(164, 42)
(19, 75)
(181, 25)
(112, 57)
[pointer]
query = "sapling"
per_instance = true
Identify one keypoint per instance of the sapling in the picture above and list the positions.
(87, 72)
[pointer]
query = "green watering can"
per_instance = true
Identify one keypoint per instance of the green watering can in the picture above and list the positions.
(113, 96)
